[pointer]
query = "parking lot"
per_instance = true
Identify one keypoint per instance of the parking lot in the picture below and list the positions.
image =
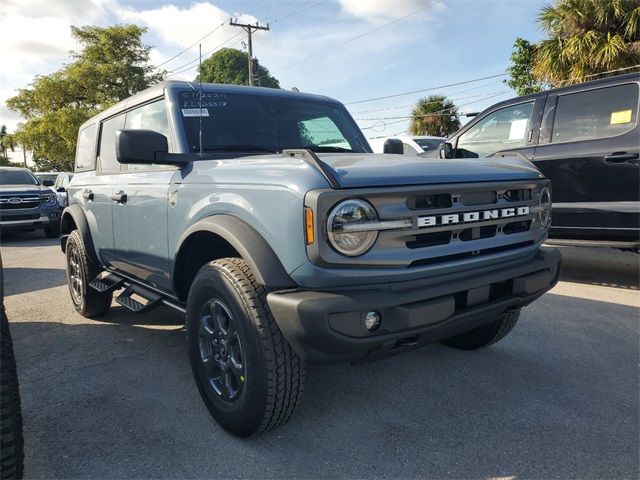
(558, 398)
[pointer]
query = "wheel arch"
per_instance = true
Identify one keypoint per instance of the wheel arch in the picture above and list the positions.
(73, 218)
(222, 236)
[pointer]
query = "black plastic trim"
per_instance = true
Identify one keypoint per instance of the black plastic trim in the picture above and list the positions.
(248, 243)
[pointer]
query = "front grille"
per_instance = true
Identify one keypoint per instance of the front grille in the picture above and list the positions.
(19, 202)
(448, 223)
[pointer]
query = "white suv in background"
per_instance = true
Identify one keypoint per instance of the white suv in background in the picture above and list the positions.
(418, 145)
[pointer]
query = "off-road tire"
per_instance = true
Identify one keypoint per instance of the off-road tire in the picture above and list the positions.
(275, 374)
(11, 442)
(89, 302)
(486, 334)
(52, 232)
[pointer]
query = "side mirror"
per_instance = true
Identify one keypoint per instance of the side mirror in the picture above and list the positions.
(61, 189)
(146, 147)
(393, 145)
(446, 150)
(47, 183)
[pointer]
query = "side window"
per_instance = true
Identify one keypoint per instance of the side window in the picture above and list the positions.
(601, 113)
(107, 153)
(152, 116)
(503, 129)
(85, 159)
(408, 149)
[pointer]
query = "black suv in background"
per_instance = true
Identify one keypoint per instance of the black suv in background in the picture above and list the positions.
(585, 138)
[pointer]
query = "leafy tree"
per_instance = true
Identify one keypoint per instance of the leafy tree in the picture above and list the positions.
(521, 69)
(434, 115)
(112, 65)
(230, 65)
(587, 37)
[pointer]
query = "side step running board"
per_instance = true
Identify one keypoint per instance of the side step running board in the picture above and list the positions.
(106, 282)
(135, 297)
(127, 301)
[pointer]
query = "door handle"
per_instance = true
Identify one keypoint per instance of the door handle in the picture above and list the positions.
(119, 197)
(87, 195)
(620, 157)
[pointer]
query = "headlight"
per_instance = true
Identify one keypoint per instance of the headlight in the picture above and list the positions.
(544, 210)
(47, 198)
(343, 227)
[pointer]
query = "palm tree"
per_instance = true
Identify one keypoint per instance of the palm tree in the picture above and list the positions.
(6, 141)
(434, 115)
(587, 37)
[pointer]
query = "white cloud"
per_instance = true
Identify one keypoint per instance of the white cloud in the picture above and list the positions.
(378, 11)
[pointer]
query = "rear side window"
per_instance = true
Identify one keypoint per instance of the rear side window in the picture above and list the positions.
(107, 152)
(85, 159)
(600, 113)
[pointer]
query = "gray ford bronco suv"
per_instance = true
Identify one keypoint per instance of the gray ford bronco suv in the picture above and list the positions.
(264, 218)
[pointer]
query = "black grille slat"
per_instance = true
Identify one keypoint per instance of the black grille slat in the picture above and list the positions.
(430, 202)
(472, 254)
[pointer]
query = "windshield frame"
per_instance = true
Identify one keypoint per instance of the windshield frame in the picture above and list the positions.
(183, 145)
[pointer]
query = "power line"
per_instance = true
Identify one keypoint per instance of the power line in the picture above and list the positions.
(426, 89)
(192, 45)
(485, 97)
(363, 34)
(208, 34)
(439, 112)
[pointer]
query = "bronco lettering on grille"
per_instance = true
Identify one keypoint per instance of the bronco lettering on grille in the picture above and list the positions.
(470, 217)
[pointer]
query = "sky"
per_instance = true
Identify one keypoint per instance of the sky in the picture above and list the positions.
(351, 50)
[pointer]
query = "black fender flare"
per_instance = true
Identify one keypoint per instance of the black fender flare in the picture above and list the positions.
(251, 246)
(75, 214)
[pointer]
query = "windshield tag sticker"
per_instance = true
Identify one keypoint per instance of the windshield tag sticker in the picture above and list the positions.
(623, 116)
(195, 112)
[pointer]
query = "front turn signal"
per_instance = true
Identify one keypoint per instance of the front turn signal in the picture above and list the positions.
(308, 226)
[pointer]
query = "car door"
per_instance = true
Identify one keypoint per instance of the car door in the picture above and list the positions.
(512, 128)
(589, 148)
(93, 192)
(140, 202)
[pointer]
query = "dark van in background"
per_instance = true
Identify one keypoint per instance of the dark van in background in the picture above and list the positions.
(585, 138)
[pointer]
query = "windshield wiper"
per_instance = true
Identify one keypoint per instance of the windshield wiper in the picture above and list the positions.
(321, 148)
(233, 148)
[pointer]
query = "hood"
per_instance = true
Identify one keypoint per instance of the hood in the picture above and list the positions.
(8, 189)
(371, 170)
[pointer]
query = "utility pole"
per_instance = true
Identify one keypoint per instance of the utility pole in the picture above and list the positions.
(249, 29)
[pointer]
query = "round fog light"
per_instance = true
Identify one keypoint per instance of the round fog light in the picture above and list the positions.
(372, 320)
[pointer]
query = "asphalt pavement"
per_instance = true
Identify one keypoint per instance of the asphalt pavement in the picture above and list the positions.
(114, 398)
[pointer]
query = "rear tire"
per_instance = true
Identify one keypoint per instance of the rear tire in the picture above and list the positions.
(80, 271)
(248, 376)
(486, 334)
(11, 440)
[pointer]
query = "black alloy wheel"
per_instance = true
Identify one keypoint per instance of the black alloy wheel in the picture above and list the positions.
(221, 350)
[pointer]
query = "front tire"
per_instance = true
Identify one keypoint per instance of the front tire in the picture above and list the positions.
(486, 334)
(247, 374)
(80, 271)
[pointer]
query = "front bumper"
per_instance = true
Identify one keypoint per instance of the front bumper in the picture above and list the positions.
(44, 220)
(328, 327)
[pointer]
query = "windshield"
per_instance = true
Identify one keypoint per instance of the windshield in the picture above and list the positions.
(17, 177)
(267, 124)
(429, 143)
